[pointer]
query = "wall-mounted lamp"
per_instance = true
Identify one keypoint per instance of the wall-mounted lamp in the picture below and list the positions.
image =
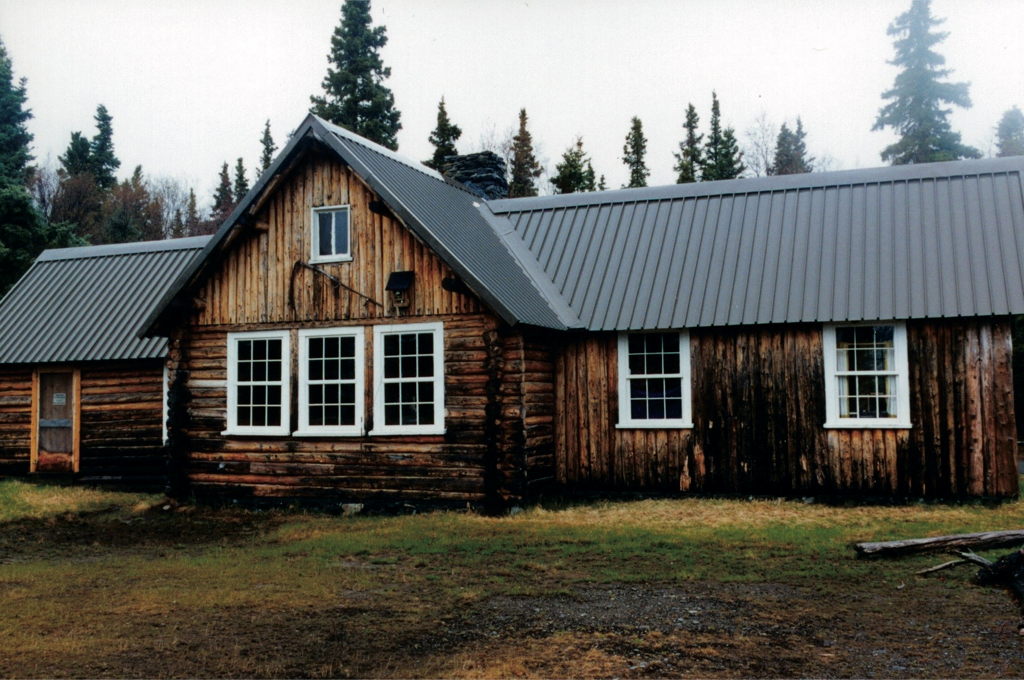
(400, 286)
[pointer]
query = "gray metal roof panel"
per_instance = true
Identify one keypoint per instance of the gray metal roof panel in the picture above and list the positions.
(85, 304)
(447, 216)
(450, 219)
(925, 241)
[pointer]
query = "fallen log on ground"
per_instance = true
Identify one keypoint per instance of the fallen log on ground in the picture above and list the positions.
(913, 546)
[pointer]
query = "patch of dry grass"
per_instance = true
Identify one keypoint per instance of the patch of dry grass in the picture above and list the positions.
(21, 500)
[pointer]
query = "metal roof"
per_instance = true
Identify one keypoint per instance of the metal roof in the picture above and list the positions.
(86, 304)
(448, 217)
(922, 241)
(443, 213)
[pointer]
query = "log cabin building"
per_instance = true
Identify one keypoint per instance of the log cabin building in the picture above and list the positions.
(80, 393)
(364, 329)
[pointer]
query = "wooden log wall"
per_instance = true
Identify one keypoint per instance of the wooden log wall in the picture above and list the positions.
(482, 365)
(122, 424)
(527, 413)
(758, 409)
(15, 419)
(258, 282)
(498, 386)
(121, 428)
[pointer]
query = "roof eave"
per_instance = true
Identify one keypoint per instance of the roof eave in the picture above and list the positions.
(415, 225)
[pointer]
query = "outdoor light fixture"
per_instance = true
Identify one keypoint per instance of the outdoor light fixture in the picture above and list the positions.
(399, 284)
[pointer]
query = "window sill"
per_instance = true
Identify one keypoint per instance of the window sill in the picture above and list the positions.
(655, 425)
(864, 424)
(328, 433)
(402, 431)
(330, 260)
(257, 432)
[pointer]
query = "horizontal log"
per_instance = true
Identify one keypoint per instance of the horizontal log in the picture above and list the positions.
(977, 541)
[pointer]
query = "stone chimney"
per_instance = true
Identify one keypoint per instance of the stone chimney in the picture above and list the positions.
(483, 172)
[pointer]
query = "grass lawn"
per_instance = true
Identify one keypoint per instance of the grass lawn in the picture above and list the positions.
(101, 584)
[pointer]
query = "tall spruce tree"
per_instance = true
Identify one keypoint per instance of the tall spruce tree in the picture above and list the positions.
(601, 185)
(575, 173)
(525, 169)
(192, 219)
(1010, 134)
(23, 231)
(241, 187)
(443, 137)
(104, 162)
(916, 101)
(690, 156)
(223, 198)
(791, 151)
(634, 152)
(722, 156)
(267, 142)
(355, 96)
(77, 159)
(14, 135)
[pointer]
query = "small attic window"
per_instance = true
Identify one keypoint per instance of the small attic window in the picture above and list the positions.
(331, 234)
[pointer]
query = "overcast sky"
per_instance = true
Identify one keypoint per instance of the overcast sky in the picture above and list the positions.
(191, 82)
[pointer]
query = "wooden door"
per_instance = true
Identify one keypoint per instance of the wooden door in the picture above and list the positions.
(57, 422)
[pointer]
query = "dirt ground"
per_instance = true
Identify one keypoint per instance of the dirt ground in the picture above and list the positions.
(621, 630)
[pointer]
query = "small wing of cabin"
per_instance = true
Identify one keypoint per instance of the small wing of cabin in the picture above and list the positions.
(80, 393)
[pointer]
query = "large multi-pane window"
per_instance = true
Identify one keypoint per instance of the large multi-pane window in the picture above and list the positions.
(654, 379)
(331, 234)
(258, 375)
(866, 375)
(408, 379)
(331, 381)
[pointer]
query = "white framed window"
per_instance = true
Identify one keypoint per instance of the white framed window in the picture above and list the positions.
(867, 381)
(654, 380)
(332, 234)
(258, 382)
(331, 382)
(408, 370)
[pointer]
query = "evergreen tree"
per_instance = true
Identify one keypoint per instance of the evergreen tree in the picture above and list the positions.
(690, 156)
(104, 162)
(268, 148)
(241, 183)
(23, 231)
(590, 178)
(915, 109)
(1010, 134)
(14, 135)
(791, 151)
(354, 93)
(722, 156)
(178, 226)
(601, 186)
(633, 154)
(77, 159)
(443, 137)
(223, 198)
(24, 234)
(525, 170)
(191, 215)
(575, 173)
